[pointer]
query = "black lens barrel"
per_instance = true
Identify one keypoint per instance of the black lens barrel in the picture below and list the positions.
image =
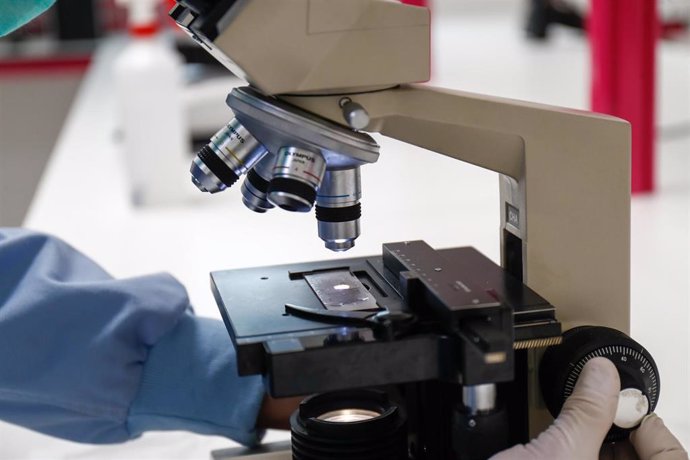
(293, 187)
(257, 181)
(217, 166)
(344, 214)
(379, 438)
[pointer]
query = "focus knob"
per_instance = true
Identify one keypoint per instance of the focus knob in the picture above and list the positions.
(562, 364)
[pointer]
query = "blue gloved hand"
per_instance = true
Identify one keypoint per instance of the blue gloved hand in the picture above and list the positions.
(16, 13)
(92, 359)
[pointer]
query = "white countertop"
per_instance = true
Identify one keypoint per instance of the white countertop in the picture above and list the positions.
(409, 194)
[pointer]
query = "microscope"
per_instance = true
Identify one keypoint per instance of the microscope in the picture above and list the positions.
(415, 353)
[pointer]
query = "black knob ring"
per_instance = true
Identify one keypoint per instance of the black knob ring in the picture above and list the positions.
(562, 364)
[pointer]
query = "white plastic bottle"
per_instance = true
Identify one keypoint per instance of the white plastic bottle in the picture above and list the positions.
(149, 84)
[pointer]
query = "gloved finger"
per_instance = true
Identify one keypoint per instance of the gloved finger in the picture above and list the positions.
(653, 441)
(586, 417)
(618, 451)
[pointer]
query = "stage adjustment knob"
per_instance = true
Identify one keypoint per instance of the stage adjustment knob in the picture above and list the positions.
(561, 366)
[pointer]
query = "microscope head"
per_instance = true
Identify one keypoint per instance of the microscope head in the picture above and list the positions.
(294, 159)
(312, 46)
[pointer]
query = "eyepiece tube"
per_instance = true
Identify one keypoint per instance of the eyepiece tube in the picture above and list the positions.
(338, 208)
(297, 176)
(231, 152)
(255, 185)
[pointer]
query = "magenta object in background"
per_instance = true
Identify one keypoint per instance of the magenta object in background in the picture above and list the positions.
(623, 35)
(416, 2)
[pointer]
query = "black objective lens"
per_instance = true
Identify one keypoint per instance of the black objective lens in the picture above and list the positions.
(349, 425)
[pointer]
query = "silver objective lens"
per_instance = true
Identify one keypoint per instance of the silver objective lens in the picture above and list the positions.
(479, 398)
(231, 152)
(297, 175)
(338, 208)
(255, 186)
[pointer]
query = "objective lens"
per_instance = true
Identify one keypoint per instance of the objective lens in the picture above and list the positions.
(297, 175)
(349, 425)
(231, 152)
(255, 186)
(338, 208)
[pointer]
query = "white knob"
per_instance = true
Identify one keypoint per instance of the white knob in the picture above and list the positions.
(632, 408)
(355, 115)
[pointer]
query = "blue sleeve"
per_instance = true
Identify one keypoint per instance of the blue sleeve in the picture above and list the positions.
(93, 359)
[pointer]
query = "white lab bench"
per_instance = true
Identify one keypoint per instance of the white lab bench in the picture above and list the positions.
(409, 194)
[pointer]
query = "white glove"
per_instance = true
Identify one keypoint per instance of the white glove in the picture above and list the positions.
(587, 415)
(651, 441)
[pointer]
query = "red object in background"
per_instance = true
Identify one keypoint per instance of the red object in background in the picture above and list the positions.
(416, 2)
(44, 66)
(623, 35)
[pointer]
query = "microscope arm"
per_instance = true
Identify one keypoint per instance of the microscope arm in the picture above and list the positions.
(565, 193)
(431, 118)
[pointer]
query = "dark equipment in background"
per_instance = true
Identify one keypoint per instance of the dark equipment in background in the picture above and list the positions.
(543, 14)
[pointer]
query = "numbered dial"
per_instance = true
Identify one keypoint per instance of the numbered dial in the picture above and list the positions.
(562, 364)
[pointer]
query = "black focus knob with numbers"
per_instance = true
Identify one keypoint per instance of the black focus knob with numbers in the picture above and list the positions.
(562, 364)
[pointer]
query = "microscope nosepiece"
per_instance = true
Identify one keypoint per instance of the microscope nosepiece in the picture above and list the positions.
(297, 176)
(231, 152)
(338, 209)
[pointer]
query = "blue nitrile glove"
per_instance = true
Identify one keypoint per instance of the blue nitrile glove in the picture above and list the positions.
(16, 13)
(93, 359)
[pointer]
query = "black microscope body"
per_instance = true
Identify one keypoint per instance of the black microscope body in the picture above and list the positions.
(425, 327)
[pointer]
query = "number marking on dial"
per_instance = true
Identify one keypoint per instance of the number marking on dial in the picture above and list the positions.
(626, 354)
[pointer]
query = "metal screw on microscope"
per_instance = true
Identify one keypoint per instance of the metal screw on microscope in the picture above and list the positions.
(355, 114)
(338, 208)
(231, 152)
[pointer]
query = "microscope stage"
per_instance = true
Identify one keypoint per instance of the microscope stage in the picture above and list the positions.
(333, 319)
